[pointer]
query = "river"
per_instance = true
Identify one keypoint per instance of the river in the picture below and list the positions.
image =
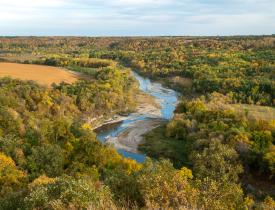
(165, 97)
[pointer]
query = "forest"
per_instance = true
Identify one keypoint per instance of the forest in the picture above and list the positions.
(217, 152)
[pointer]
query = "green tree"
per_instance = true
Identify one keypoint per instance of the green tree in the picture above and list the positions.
(162, 186)
(46, 159)
(218, 162)
(68, 193)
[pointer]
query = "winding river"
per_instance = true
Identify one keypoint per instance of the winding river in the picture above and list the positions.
(165, 97)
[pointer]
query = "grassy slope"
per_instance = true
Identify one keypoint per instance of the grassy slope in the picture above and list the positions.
(256, 112)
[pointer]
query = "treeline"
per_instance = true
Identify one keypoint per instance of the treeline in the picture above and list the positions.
(243, 66)
(88, 66)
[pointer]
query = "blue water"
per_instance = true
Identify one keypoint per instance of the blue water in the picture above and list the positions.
(167, 99)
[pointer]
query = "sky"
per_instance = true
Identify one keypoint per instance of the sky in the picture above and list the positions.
(136, 17)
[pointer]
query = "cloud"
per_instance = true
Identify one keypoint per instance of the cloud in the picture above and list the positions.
(32, 3)
(140, 2)
(136, 17)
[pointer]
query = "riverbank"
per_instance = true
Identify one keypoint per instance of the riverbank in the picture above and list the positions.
(155, 105)
(130, 138)
(146, 105)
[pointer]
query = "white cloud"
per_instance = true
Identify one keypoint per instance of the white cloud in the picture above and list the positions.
(126, 17)
(32, 3)
(140, 2)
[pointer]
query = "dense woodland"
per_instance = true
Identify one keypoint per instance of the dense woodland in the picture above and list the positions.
(209, 156)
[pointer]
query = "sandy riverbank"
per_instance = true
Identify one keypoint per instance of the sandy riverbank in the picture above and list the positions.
(146, 105)
(132, 136)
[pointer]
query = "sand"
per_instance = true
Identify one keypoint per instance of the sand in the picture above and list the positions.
(147, 105)
(44, 75)
(133, 136)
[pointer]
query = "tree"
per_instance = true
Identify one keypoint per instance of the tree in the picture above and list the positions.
(162, 186)
(68, 193)
(216, 195)
(218, 162)
(259, 153)
(11, 178)
(269, 158)
(46, 159)
(217, 168)
(267, 204)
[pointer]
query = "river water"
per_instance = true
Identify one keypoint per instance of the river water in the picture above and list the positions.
(167, 98)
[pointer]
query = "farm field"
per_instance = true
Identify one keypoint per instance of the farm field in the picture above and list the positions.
(44, 75)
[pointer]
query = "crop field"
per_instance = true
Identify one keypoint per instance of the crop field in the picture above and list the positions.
(43, 75)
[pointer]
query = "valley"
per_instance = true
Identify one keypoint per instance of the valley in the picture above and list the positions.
(128, 134)
(137, 122)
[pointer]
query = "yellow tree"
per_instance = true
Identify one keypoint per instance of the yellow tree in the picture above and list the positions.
(10, 177)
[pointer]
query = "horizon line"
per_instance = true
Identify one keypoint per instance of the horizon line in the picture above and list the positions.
(136, 36)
